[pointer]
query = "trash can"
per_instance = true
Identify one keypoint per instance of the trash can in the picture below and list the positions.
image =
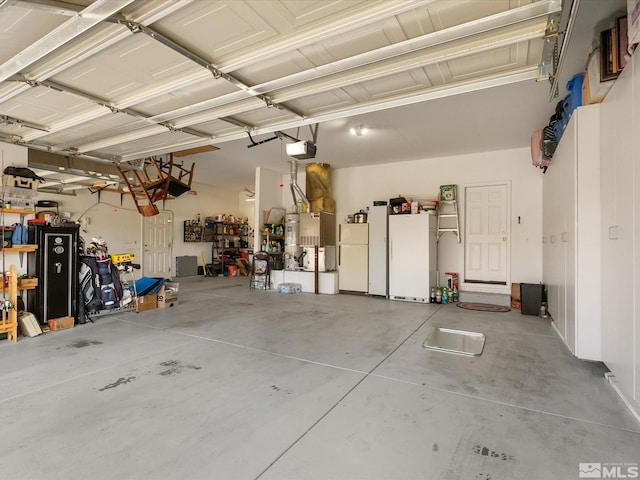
(531, 296)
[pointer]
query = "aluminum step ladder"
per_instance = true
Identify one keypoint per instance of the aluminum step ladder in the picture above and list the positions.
(448, 220)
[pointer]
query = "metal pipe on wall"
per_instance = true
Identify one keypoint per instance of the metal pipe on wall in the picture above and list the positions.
(295, 188)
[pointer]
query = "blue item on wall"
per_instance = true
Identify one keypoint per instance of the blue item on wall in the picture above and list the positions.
(574, 86)
(558, 129)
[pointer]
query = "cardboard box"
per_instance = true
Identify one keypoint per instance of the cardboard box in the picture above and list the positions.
(168, 295)
(24, 283)
(515, 296)
(28, 324)
(515, 291)
(451, 280)
(61, 323)
(147, 302)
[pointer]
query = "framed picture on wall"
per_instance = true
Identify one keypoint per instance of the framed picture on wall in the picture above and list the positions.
(608, 55)
(623, 42)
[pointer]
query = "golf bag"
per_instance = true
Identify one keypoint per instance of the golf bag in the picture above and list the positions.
(100, 283)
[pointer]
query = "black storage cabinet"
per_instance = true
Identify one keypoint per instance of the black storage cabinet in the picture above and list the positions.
(531, 296)
(55, 263)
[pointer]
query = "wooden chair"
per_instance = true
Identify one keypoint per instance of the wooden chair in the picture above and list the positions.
(158, 179)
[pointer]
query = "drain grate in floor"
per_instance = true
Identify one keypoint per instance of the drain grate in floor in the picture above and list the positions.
(455, 341)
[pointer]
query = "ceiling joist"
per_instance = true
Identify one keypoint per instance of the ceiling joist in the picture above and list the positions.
(311, 62)
(95, 13)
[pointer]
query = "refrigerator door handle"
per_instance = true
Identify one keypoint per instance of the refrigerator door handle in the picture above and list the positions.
(339, 255)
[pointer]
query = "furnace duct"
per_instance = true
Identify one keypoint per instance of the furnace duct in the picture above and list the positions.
(295, 188)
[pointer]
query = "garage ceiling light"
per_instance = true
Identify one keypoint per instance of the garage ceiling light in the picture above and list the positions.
(359, 130)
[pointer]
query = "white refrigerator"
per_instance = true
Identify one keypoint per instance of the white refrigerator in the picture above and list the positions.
(353, 255)
(378, 220)
(412, 256)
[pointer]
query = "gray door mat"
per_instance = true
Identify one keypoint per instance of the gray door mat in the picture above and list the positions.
(455, 341)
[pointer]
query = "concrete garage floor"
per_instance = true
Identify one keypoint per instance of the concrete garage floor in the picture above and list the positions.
(240, 384)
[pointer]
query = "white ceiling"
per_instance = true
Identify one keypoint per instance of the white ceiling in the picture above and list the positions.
(118, 80)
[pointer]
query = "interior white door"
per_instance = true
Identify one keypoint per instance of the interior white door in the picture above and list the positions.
(157, 237)
(486, 234)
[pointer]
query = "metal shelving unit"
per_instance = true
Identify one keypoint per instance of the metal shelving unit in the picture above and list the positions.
(229, 239)
(274, 247)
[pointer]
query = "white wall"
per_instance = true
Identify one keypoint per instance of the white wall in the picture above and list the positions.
(115, 218)
(353, 189)
(269, 194)
(357, 187)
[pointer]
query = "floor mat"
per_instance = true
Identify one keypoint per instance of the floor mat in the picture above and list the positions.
(483, 307)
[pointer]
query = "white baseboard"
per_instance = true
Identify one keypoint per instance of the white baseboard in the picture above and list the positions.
(633, 408)
(485, 288)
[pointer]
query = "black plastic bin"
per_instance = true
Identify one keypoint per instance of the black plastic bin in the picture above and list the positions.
(531, 296)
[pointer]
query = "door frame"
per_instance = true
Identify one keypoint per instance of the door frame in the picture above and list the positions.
(487, 287)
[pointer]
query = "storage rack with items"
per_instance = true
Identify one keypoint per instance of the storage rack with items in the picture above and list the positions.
(209, 227)
(230, 240)
(18, 192)
(19, 189)
(7, 245)
(272, 242)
